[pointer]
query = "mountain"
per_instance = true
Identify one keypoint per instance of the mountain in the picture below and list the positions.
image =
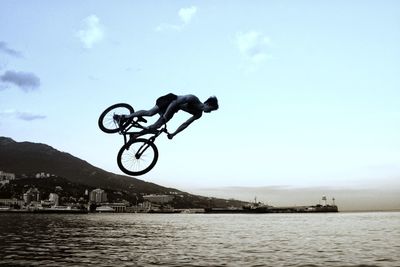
(31, 158)
(26, 159)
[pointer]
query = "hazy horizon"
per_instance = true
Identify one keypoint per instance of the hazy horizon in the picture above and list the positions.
(347, 199)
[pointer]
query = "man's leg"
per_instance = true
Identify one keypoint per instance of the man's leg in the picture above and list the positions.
(164, 118)
(158, 123)
(141, 113)
(121, 119)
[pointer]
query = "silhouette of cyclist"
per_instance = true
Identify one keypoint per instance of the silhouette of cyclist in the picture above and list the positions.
(167, 105)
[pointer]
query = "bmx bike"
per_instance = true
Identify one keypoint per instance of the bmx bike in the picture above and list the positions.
(138, 155)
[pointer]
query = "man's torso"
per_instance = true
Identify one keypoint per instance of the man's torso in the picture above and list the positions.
(188, 103)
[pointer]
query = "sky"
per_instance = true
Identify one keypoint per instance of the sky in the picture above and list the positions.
(308, 90)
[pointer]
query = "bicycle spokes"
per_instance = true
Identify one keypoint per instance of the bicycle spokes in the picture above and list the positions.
(131, 162)
(137, 157)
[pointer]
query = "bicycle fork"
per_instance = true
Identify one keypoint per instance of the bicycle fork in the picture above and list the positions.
(142, 148)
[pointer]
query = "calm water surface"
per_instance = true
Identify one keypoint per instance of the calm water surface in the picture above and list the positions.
(343, 239)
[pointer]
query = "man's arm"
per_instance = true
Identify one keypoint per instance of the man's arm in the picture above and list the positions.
(184, 125)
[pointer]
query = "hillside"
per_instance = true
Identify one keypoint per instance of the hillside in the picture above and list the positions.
(30, 158)
(25, 159)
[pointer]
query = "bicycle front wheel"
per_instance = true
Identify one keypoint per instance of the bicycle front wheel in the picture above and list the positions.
(106, 120)
(137, 157)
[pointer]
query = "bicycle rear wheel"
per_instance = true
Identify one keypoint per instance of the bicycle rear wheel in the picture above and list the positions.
(137, 157)
(106, 120)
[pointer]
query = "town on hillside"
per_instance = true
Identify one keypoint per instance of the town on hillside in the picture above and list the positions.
(46, 193)
(28, 194)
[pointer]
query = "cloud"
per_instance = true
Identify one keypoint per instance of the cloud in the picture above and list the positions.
(168, 27)
(253, 46)
(24, 115)
(26, 81)
(92, 32)
(185, 15)
(9, 51)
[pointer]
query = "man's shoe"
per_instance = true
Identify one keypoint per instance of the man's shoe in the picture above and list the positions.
(120, 119)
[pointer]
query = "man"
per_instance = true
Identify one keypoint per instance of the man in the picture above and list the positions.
(167, 105)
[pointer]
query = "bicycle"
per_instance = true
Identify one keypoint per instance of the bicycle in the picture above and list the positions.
(138, 155)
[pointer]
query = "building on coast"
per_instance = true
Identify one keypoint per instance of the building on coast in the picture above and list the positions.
(6, 177)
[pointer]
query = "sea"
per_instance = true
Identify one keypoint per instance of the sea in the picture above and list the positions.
(326, 239)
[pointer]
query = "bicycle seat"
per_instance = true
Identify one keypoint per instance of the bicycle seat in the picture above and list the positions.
(141, 119)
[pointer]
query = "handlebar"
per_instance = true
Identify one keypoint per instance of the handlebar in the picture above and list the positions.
(164, 129)
(136, 123)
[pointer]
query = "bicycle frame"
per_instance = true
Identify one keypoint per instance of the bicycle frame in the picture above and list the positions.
(135, 124)
(125, 130)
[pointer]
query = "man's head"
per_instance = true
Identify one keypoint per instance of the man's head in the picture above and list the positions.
(211, 104)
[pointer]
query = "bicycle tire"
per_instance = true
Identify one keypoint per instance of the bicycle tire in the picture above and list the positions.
(106, 120)
(129, 164)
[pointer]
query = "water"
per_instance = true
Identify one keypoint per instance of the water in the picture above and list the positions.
(343, 239)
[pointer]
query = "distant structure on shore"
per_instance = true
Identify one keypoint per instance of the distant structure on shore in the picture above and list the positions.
(32, 194)
(5, 178)
(258, 207)
(98, 196)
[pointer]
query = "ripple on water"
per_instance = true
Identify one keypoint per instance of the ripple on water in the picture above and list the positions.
(201, 240)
